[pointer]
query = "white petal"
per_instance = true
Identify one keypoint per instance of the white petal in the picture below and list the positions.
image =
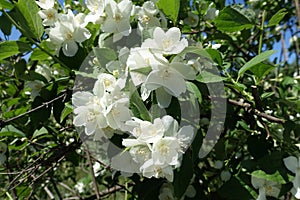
(163, 98)
(291, 163)
(90, 127)
(257, 182)
(79, 120)
(81, 98)
(81, 34)
(70, 48)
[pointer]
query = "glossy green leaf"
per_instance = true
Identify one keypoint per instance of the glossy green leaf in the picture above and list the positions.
(277, 17)
(29, 10)
(170, 8)
(4, 4)
(231, 20)
(10, 48)
(261, 69)
(254, 61)
(66, 111)
(208, 77)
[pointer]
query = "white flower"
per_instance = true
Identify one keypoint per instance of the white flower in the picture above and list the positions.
(140, 59)
(166, 192)
(225, 175)
(35, 87)
(118, 18)
(211, 13)
(166, 42)
(49, 16)
(67, 33)
(150, 169)
(168, 79)
(166, 151)
(265, 187)
(97, 11)
(293, 164)
(146, 15)
(192, 19)
(79, 187)
(89, 112)
(118, 113)
(45, 4)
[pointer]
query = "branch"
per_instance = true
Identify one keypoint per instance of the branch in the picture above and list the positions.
(93, 174)
(249, 109)
(3, 123)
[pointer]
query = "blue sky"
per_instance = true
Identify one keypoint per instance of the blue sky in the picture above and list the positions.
(277, 46)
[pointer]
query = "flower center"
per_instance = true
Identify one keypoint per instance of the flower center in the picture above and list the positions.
(163, 149)
(107, 82)
(91, 116)
(145, 19)
(69, 36)
(50, 15)
(166, 43)
(118, 17)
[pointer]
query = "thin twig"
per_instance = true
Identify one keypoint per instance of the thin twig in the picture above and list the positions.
(92, 173)
(45, 104)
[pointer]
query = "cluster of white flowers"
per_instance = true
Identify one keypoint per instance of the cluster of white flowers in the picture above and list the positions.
(106, 107)
(67, 30)
(158, 147)
(155, 147)
(265, 188)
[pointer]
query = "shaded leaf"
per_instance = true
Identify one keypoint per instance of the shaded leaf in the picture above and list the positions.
(208, 77)
(261, 69)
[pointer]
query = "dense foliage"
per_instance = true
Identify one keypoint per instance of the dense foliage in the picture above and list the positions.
(160, 99)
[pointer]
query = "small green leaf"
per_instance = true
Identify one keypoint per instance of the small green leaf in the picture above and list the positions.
(231, 20)
(144, 70)
(105, 55)
(261, 69)
(29, 10)
(276, 177)
(10, 48)
(170, 8)
(208, 77)
(66, 111)
(254, 61)
(277, 17)
(39, 132)
(195, 91)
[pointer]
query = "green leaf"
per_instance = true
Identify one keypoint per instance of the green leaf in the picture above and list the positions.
(231, 20)
(182, 178)
(276, 177)
(66, 111)
(261, 69)
(277, 17)
(105, 55)
(170, 8)
(39, 132)
(195, 91)
(11, 131)
(30, 10)
(239, 190)
(254, 61)
(215, 56)
(10, 48)
(4, 4)
(208, 77)
(144, 70)
(5, 25)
